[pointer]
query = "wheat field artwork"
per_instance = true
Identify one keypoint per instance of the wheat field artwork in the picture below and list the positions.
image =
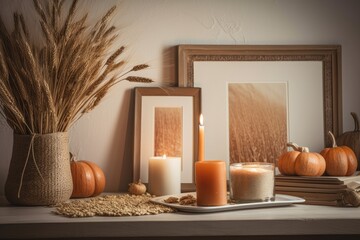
(257, 121)
(168, 131)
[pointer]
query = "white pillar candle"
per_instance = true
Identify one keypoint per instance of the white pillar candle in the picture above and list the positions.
(164, 175)
(252, 182)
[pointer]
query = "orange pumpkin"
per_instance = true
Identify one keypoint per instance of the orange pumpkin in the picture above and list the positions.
(340, 160)
(88, 179)
(301, 162)
(137, 188)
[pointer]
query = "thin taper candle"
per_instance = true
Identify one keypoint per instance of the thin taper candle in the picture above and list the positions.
(201, 156)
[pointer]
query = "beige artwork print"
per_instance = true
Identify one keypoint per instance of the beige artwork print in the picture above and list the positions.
(257, 121)
(168, 131)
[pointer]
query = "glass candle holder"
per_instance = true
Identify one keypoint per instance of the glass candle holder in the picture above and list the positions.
(252, 182)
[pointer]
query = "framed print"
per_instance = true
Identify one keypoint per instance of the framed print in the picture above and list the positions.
(166, 123)
(257, 98)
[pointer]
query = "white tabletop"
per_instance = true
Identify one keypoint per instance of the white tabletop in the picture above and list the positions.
(297, 219)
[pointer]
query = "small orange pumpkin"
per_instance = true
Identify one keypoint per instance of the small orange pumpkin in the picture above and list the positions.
(137, 188)
(88, 179)
(301, 162)
(340, 160)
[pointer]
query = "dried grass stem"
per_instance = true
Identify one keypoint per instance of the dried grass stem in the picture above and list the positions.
(46, 87)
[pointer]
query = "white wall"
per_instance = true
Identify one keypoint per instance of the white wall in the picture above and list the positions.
(152, 28)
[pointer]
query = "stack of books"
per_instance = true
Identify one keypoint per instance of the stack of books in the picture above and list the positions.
(324, 190)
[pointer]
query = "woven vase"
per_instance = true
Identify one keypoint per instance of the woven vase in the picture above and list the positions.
(39, 172)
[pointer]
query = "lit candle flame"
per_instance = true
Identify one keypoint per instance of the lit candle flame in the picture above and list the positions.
(164, 156)
(201, 120)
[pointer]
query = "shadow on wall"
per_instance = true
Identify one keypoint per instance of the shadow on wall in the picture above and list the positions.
(6, 143)
(169, 67)
(119, 166)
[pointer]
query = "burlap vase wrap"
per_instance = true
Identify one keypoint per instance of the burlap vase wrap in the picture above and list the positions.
(39, 172)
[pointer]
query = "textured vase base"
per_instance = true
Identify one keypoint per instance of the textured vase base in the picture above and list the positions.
(39, 172)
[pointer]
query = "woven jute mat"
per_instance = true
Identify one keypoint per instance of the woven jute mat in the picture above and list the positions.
(111, 205)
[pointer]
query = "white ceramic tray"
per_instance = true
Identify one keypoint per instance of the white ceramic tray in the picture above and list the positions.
(280, 200)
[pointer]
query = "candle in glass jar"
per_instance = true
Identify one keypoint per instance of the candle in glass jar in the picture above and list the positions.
(252, 181)
(164, 175)
(210, 177)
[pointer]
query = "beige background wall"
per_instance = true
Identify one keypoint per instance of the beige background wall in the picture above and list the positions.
(152, 28)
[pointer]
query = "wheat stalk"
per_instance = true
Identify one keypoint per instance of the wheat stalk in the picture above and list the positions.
(45, 88)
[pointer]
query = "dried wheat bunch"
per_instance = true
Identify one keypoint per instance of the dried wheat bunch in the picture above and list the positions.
(46, 88)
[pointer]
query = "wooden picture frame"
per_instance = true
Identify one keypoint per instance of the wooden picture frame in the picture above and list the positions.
(327, 57)
(147, 100)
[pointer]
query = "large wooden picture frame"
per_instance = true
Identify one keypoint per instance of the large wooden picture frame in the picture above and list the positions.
(214, 60)
(163, 104)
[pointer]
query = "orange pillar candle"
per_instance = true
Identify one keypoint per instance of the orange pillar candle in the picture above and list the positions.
(210, 177)
(201, 156)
